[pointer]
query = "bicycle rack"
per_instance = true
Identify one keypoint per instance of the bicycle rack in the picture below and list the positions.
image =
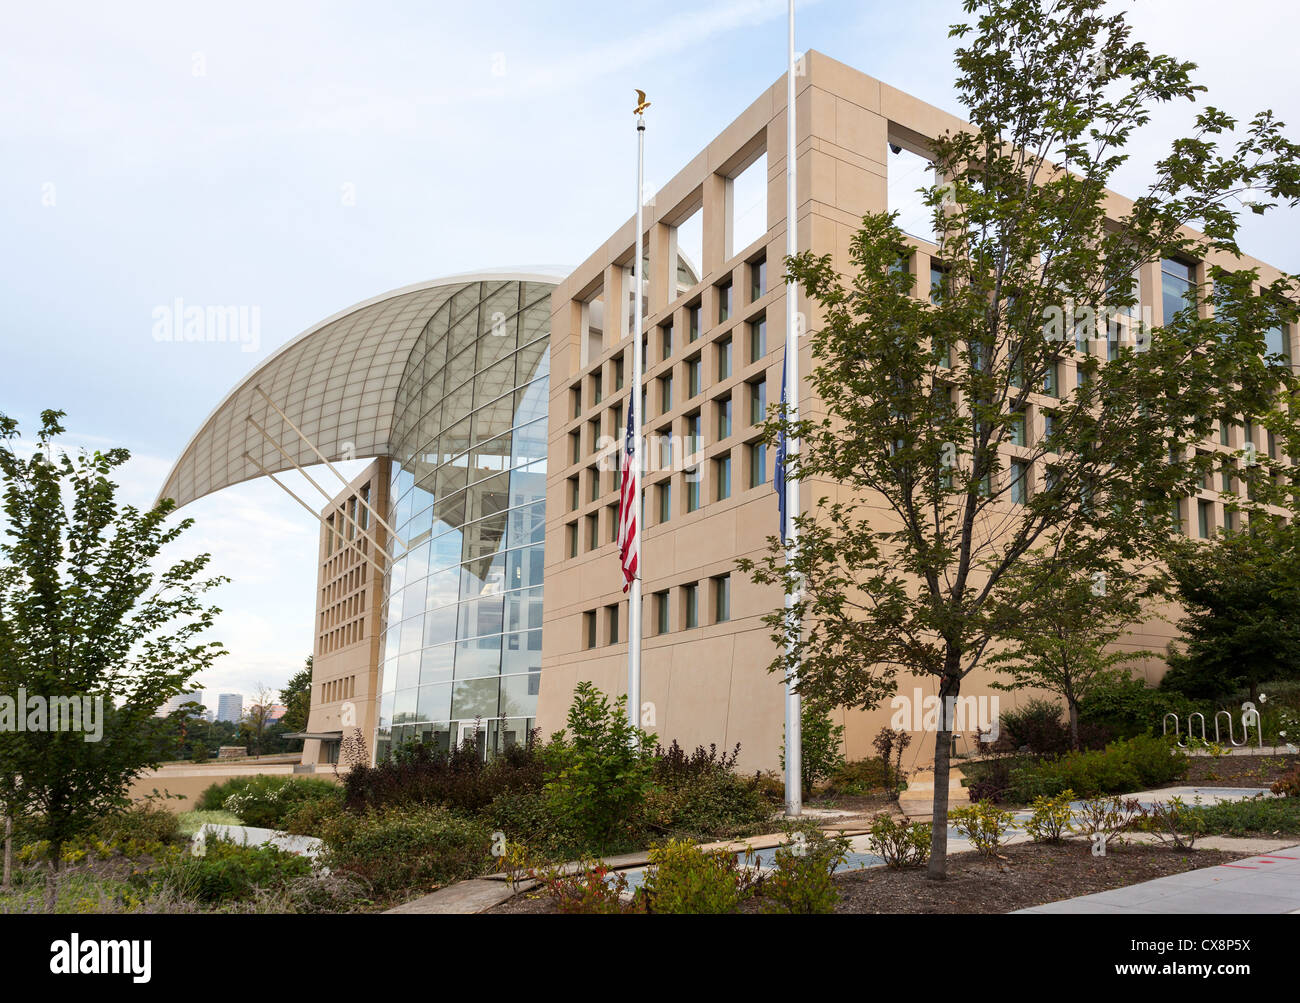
(1190, 736)
(1232, 740)
(1249, 715)
(1164, 728)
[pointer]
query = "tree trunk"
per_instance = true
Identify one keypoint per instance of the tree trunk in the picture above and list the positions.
(1074, 724)
(937, 869)
(7, 883)
(52, 880)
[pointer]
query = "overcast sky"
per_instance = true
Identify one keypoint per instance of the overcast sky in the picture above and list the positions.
(298, 157)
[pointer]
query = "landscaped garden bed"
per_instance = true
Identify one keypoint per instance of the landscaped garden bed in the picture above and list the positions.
(1020, 876)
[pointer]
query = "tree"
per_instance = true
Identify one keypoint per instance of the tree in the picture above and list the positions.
(1241, 594)
(919, 401)
(296, 697)
(257, 719)
(85, 614)
(1068, 650)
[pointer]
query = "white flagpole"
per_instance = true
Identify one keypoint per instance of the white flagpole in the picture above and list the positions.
(634, 592)
(793, 718)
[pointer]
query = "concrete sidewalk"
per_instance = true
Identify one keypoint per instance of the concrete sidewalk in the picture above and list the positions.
(1269, 883)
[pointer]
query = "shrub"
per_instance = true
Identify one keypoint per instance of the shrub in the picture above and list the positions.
(1036, 727)
(1288, 785)
(886, 741)
(414, 849)
(142, 823)
(862, 776)
(821, 743)
(308, 818)
(1050, 817)
(229, 872)
(266, 800)
(418, 773)
(593, 888)
(1173, 822)
(598, 769)
(683, 878)
(1120, 768)
(327, 892)
(984, 824)
(802, 882)
(901, 844)
(1128, 707)
(1107, 817)
(214, 797)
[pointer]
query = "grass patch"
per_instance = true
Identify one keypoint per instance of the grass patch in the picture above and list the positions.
(192, 821)
(1257, 816)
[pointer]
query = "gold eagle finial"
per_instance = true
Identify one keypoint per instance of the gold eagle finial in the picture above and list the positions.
(642, 103)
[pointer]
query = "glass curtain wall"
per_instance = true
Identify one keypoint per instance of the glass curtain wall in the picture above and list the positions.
(462, 643)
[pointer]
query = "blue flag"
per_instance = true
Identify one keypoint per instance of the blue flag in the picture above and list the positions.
(778, 479)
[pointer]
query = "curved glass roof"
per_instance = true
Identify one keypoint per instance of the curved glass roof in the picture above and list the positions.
(338, 382)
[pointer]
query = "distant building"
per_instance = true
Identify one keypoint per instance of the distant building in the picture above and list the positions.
(174, 704)
(230, 707)
(275, 712)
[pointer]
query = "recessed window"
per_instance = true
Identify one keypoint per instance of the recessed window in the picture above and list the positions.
(593, 532)
(722, 477)
(662, 622)
(665, 393)
(724, 359)
(665, 341)
(618, 373)
(1176, 280)
(611, 618)
(757, 464)
(691, 605)
(664, 498)
(693, 489)
(758, 402)
(693, 322)
(758, 338)
(938, 281)
(1019, 482)
(724, 301)
(1016, 430)
(573, 494)
(575, 401)
(571, 534)
(1205, 518)
(694, 434)
(722, 599)
(724, 418)
(757, 279)
(597, 387)
(694, 381)
(589, 629)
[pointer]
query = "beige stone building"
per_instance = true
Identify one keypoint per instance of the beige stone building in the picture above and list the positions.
(494, 403)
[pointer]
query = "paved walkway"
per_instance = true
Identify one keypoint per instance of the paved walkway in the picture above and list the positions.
(1269, 883)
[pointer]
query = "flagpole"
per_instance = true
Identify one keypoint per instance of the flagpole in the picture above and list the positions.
(634, 404)
(793, 715)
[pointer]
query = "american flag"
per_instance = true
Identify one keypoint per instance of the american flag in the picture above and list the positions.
(627, 507)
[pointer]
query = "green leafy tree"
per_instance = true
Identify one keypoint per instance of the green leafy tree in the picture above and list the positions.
(599, 767)
(296, 697)
(1068, 648)
(821, 746)
(1241, 594)
(920, 396)
(86, 612)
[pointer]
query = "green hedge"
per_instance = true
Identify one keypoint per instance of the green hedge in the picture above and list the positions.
(1120, 768)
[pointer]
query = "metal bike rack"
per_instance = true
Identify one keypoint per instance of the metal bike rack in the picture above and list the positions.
(1164, 728)
(1190, 736)
(1232, 740)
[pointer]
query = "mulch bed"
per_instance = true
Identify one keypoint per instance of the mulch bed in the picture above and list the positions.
(1028, 875)
(1025, 875)
(1236, 771)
